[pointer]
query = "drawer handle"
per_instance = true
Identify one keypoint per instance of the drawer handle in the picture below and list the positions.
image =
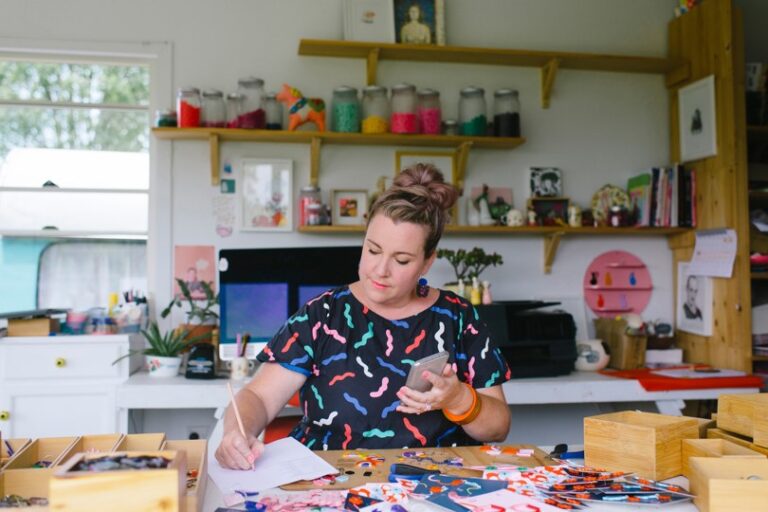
(61, 362)
(5, 415)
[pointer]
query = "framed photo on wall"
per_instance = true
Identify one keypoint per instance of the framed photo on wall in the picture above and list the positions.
(348, 207)
(696, 112)
(419, 22)
(267, 195)
(369, 20)
(694, 301)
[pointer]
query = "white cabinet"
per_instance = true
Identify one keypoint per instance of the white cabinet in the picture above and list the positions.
(63, 385)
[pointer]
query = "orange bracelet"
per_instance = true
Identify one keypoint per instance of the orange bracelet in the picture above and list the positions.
(472, 412)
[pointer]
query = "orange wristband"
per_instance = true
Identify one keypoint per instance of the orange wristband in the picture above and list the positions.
(472, 412)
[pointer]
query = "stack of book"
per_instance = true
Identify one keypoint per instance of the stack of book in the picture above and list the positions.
(664, 197)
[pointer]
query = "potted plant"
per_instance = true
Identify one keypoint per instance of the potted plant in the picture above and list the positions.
(469, 264)
(163, 356)
(201, 314)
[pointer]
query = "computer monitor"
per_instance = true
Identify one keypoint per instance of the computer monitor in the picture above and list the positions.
(261, 288)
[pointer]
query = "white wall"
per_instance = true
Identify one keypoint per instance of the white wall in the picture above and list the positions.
(601, 127)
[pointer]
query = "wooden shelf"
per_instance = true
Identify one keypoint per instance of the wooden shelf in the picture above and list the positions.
(215, 136)
(547, 61)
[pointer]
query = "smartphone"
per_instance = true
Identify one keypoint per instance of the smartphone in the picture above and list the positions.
(434, 363)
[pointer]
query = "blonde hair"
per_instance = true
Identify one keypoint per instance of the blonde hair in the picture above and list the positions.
(418, 195)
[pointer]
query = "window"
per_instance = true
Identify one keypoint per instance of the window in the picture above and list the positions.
(74, 181)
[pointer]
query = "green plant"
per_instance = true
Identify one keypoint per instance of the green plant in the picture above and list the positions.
(202, 309)
(469, 264)
(169, 344)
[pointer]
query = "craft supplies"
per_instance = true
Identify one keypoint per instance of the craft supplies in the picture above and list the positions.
(188, 107)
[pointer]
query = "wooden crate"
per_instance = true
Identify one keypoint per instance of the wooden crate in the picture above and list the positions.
(716, 433)
(645, 443)
(50, 449)
(729, 484)
(26, 483)
(15, 445)
(713, 448)
(737, 413)
(141, 442)
(197, 455)
(123, 490)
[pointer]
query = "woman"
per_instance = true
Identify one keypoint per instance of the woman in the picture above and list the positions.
(414, 31)
(350, 349)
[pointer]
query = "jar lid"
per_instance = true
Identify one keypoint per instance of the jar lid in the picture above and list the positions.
(235, 96)
(505, 92)
(212, 93)
(428, 92)
(403, 87)
(251, 81)
(345, 89)
(310, 188)
(189, 90)
(472, 91)
(375, 89)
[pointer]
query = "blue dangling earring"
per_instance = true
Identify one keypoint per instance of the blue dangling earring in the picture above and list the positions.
(422, 290)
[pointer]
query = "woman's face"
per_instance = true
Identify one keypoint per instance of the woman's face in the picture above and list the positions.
(413, 12)
(392, 260)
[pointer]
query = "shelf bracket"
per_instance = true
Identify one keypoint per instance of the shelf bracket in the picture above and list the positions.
(462, 154)
(550, 249)
(314, 161)
(548, 74)
(372, 63)
(213, 141)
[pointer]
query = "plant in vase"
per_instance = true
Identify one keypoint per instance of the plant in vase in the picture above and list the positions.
(468, 265)
(163, 356)
(202, 316)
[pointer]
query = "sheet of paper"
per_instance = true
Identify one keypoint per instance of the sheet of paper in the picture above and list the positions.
(283, 461)
(684, 373)
(714, 253)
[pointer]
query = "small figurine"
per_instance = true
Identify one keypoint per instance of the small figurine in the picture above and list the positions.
(475, 296)
(487, 299)
(302, 110)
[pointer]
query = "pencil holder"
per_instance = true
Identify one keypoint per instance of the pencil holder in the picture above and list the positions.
(239, 368)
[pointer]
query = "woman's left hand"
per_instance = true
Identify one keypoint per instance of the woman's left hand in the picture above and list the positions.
(446, 393)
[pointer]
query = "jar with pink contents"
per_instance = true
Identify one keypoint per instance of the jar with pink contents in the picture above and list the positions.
(403, 119)
(428, 111)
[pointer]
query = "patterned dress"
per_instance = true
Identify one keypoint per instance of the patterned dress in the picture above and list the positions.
(355, 361)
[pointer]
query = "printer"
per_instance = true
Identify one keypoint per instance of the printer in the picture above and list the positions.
(534, 343)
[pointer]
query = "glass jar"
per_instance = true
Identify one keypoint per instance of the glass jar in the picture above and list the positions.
(188, 107)
(234, 109)
(403, 118)
(375, 109)
(428, 111)
(472, 116)
(309, 197)
(165, 118)
(450, 127)
(214, 113)
(506, 113)
(345, 115)
(273, 111)
(253, 116)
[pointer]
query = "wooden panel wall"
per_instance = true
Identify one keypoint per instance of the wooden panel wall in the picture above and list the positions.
(710, 37)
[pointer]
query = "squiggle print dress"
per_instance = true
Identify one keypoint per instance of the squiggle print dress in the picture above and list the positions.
(355, 361)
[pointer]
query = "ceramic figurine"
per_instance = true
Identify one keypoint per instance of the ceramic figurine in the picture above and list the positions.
(302, 110)
(574, 216)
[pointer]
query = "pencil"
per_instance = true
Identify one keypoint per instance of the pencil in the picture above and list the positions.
(237, 412)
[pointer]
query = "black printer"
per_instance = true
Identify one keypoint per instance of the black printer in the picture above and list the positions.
(534, 343)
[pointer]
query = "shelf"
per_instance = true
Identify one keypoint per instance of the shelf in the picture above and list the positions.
(547, 61)
(215, 136)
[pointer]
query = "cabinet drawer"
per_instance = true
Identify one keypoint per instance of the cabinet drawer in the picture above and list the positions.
(62, 361)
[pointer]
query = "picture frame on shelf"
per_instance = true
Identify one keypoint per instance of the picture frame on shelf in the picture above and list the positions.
(550, 211)
(697, 119)
(545, 182)
(369, 20)
(348, 207)
(267, 194)
(694, 301)
(419, 22)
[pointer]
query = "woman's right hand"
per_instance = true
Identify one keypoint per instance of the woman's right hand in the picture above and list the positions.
(237, 452)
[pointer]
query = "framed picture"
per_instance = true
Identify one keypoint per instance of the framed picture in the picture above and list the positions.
(349, 207)
(443, 160)
(267, 194)
(419, 22)
(369, 20)
(545, 182)
(550, 211)
(696, 111)
(694, 301)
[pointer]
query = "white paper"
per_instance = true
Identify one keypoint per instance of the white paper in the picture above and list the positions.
(284, 461)
(684, 373)
(714, 253)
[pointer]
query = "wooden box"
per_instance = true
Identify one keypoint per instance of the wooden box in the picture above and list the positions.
(627, 352)
(141, 442)
(713, 448)
(716, 433)
(123, 490)
(15, 445)
(27, 483)
(49, 449)
(742, 413)
(729, 484)
(645, 443)
(197, 454)
(32, 326)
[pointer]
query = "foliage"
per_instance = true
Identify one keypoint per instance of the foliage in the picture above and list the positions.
(200, 311)
(170, 344)
(469, 264)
